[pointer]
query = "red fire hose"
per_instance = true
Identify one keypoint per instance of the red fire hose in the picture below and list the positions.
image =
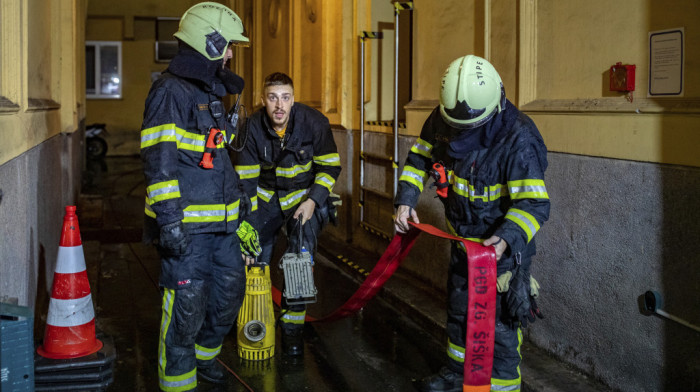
(481, 311)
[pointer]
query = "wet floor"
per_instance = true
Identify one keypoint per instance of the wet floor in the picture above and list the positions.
(377, 349)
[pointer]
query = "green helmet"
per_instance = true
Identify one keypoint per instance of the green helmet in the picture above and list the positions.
(471, 93)
(209, 28)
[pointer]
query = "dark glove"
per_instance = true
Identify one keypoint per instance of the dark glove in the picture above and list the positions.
(245, 208)
(333, 202)
(522, 307)
(174, 239)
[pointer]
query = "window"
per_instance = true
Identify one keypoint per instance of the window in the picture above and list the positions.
(103, 69)
(166, 45)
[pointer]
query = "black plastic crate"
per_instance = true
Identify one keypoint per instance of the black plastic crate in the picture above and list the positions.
(16, 348)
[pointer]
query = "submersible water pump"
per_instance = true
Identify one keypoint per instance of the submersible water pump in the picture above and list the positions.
(256, 319)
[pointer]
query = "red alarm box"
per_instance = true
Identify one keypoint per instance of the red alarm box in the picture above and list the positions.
(622, 77)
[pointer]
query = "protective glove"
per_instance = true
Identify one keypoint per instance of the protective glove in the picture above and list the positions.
(503, 281)
(534, 287)
(521, 305)
(250, 243)
(333, 203)
(174, 239)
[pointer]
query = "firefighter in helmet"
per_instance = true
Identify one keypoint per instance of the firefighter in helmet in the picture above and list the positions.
(495, 161)
(193, 211)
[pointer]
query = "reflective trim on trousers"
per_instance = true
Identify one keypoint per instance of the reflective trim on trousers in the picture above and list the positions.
(293, 317)
(206, 354)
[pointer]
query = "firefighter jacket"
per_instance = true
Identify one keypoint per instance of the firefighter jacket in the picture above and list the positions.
(303, 164)
(495, 174)
(184, 103)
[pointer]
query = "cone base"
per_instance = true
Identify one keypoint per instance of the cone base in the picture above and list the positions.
(97, 346)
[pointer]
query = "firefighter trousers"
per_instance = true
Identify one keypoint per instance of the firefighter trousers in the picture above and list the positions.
(508, 337)
(199, 308)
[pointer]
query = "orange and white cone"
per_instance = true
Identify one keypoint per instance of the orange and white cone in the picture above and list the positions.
(70, 325)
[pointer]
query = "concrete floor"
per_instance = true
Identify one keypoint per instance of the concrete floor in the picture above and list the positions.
(396, 339)
(378, 349)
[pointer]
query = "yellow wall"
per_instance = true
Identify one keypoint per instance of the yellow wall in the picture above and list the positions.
(554, 58)
(133, 22)
(123, 116)
(42, 58)
(300, 38)
(571, 48)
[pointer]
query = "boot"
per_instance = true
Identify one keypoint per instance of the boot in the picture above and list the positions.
(445, 380)
(213, 372)
(292, 342)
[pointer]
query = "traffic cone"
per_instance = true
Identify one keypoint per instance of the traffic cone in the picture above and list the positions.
(70, 325)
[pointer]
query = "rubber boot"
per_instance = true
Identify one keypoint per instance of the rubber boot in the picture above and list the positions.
(445, 380)
(292, 342)
(213, 372)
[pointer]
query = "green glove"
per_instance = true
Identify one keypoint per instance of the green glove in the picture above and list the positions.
(503, 281)
(250, 243)
(534, 287)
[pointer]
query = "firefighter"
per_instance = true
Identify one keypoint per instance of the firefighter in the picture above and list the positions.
(192, 212)
(495, 161)
(288, 168)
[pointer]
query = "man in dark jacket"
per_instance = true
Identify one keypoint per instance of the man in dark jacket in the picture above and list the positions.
(288, 168)
(193, 208)
(495, 161)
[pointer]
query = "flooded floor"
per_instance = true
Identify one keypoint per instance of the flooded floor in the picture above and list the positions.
(377, 349)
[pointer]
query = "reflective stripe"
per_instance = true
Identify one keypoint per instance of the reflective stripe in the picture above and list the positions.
(455, 352)
(495, 191)
(293, 317)
(291, 172)
(206, 354)
(527, 222)
(413, 176)
(325, 180)
(232, 210)
(211, 212)
(247, 172)
(183, 382)
(166, 317)
(460, 245)
(265, 194)
(292, 199)
(254, 203)
(163, 191)
(510, 385)
(421, 147)
(463, 188)
(72, 259)
(148, 210)
(505, 385)
(155, 135)
(332, 159)
(170, 133)
(204, 213)
(70, 312)
(192, 141)
(527, 189)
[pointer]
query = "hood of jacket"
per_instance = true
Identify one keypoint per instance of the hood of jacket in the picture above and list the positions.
(209, 75)
(486, 135)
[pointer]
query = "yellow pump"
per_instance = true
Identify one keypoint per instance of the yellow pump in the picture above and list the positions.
(256, 319)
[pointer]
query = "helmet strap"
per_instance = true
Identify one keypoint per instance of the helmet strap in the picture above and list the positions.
(502, 103)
